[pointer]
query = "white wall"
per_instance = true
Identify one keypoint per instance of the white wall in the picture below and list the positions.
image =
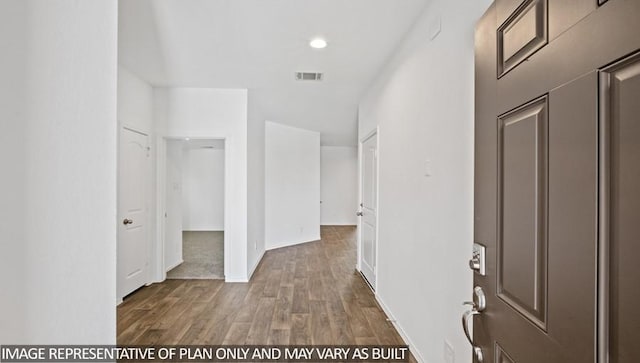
(292, 185)
(339, 185)
(214, 113)
(13, 156)
(423, 105)
(203, 189)
(255, 183)
(58, 145)
(173, 203)
(135, 102)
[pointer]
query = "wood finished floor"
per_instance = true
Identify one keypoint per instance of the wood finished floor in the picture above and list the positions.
(304, 294)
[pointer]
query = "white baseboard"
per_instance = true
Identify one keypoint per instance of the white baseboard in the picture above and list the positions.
(235, 279)
(255, 265)
(403, 334)
(174, 265)
(292, 244)
(246, 279)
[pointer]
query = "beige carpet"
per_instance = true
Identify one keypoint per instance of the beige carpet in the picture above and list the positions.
(203, 256)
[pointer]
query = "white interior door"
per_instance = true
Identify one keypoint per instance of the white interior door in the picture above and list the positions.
(369, 209)
(133, 229)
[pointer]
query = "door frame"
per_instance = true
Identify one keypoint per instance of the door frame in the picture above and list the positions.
(148, 198)
(160, 272)
(373, 133)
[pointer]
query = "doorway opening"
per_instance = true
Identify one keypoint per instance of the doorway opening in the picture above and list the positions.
(194, 209)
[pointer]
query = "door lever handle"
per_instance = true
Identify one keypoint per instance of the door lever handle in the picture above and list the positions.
(465, 326)
(478, 305)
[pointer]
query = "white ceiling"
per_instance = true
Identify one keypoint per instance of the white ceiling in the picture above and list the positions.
(259, 44)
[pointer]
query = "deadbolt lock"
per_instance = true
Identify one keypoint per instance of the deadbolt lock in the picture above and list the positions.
(478, 259)
(474, 264)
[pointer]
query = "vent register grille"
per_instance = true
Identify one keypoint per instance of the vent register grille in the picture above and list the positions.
(308, 76)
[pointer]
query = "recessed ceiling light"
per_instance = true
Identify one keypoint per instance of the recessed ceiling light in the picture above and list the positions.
(186, 139)
(318, 43)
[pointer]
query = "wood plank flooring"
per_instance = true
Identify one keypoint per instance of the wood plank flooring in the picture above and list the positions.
(304, 294)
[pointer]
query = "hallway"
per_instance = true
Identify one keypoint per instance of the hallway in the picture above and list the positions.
(304, 294)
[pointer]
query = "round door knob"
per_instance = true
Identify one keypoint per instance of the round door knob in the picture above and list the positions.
(359, 214)
(127, 221)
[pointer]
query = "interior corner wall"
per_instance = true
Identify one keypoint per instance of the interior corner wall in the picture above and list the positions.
(202, 189)
(58, 145)
(215, 113)
(173, 205)
(339, 185)
(423, 105)
(292, 185)
(255, 182)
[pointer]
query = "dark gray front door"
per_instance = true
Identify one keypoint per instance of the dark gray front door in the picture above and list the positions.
(557, 181)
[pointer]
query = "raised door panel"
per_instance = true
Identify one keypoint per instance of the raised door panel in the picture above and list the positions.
(522, 187)
(522, 34)
(621, 207)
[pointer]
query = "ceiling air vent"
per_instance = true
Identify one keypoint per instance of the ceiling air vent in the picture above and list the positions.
(308, 76)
